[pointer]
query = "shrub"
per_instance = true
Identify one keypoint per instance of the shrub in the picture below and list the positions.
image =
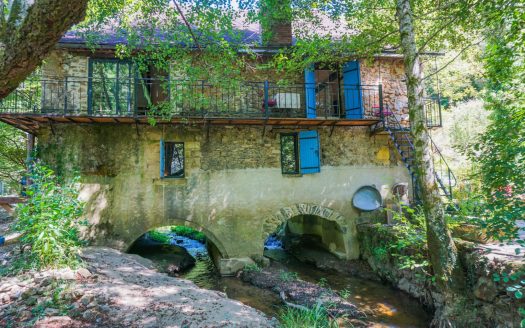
(49, 220)
(189, 232)
(409, 242)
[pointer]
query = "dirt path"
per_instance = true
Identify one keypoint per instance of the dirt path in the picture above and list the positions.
(117, 290)
(141, 296)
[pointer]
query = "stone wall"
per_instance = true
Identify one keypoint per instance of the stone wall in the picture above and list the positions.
(65, 72)
(486, 303)
(246, 98)
(390, 73)
(232, 186)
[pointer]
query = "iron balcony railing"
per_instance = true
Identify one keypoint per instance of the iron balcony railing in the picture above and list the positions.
(165, 97)
(433, 112)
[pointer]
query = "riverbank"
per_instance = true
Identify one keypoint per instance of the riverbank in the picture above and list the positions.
(117, 290)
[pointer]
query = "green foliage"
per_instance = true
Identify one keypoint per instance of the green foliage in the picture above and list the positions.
(50, 219)
(380, 253)
(323, 282)
(500, 152)
(189, 232)
(515, 283)
(252, 268)
(409, 240)
(311, 318)
(12, 155)
(288, 275)
(460, 80)
(158, 236)
(345, 293)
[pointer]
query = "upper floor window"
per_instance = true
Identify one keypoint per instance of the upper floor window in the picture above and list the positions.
(171, 159)
(111, 86)
(300, 153)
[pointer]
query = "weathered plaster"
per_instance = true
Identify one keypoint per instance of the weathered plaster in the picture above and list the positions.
(233, 182)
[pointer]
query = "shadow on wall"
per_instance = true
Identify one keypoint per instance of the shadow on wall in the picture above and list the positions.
(311, 230)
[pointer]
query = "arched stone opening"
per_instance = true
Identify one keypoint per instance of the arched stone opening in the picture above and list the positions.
(324, 224)
(215, 248)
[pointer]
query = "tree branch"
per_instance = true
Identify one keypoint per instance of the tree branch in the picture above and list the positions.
(25, 44)
(187, 24)
(455, 57)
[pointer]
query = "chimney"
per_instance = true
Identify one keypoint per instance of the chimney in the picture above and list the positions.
(276, 23)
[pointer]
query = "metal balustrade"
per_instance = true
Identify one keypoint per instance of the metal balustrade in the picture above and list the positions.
(402, 139)
(433, 113)
(82, 96)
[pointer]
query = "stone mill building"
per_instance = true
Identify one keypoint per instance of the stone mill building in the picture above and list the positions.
(235, 165)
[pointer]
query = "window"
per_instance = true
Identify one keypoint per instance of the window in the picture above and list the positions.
(171, 159)
(300, 153)
(111, 86)
(289, 154)
(329, 87)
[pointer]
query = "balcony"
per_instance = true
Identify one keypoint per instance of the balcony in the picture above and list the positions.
(133, 100)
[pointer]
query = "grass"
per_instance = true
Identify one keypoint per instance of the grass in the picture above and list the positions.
(158, 236)
(252, 268)
(312, 318)
(288, 275)
(345, 293)
(323, 282)
(189, 232)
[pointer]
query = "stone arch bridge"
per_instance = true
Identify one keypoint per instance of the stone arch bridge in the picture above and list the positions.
(233, 187)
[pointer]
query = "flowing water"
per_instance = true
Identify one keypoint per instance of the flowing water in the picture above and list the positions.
(386, 306)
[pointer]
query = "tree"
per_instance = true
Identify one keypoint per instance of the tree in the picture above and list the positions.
(441, 247)
(28, 31)
(500, 152)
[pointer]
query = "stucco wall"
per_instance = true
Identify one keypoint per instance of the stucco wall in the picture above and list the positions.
(233, 180)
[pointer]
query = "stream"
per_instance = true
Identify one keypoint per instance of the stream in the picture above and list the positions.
(385, 306)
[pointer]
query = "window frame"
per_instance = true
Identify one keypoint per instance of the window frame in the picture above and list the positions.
(296, 150)
(132, 85)
(165, 158)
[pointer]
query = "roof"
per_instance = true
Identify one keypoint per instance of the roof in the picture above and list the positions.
(245, 32)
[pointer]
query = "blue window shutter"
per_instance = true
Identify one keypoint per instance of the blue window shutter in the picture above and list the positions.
(309, 80)
(352, 90)
(309, 152)
(162, 158)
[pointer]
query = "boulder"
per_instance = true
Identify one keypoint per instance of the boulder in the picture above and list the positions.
(230, 267)
(485, 289)
(83, 273)
(180, 261)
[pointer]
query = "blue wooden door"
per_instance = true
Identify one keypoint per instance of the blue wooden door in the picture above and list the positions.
(352, 90)
(309, 80)
(309, 152)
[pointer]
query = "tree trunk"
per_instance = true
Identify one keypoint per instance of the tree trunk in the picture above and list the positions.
(442, 250)
(27, 36)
